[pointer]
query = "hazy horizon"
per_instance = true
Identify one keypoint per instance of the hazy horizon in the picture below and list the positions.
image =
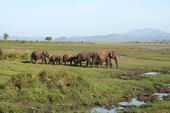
(57, 18)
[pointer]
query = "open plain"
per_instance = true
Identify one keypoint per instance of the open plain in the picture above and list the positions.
(29, 87)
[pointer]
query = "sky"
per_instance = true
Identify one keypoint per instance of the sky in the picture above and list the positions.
(69, 18)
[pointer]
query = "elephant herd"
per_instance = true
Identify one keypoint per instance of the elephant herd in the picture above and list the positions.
(98, 58)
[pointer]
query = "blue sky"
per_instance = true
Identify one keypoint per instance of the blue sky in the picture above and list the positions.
(68, 18)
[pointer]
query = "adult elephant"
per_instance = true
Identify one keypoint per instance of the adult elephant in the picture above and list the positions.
(84, 56)
(39, 54)
(56, 58)
(104, 56)
(1, 53)
(69, 58)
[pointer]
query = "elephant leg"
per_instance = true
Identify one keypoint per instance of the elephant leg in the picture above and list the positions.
(35, 61)
(31, 60)
(93, 62)
(70, 62)
(59, 62)
(110, 65)
(98, 65)
(107, 64)
(74, 62)
(87, 63)
(45, 60)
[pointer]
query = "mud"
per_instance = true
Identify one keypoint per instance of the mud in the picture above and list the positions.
(130, 74)
(134, 72)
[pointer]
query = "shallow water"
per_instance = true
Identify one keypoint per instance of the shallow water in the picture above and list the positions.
(152, 73)
(153, 47)
(114, 110)
(160, 95)
(104, 110)
(133, 102)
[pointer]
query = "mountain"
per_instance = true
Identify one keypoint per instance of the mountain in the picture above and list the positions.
(98, 38)
(141, 35)
(148, 32)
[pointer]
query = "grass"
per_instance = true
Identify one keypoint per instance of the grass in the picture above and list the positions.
(27, 87)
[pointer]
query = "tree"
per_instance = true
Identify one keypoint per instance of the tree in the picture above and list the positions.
(48, 38)
(6, 36)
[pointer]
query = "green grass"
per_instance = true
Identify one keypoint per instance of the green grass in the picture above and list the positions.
(27, 87)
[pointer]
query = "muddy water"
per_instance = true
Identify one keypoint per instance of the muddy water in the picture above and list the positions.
(113, 109)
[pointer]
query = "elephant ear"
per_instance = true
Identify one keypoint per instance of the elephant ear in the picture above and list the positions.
(110, 54)
(45, 53)
(91, 54)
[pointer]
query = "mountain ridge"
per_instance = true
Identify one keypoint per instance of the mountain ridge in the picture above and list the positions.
(140, 35)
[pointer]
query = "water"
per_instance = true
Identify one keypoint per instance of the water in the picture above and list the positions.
(160, 95)
(104, 110)
(152, 73)
(153, 47)
(133, 102)
(114, 109)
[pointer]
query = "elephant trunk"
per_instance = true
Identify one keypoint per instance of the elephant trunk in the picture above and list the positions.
(116, 61)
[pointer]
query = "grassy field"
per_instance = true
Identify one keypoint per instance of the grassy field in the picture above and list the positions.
(27, 87)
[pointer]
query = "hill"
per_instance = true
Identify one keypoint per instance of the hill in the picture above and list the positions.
(141, 35)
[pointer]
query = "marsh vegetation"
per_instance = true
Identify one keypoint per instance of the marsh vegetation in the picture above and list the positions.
(27, 87)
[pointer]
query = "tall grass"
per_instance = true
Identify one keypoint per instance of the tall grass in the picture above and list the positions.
(44, 87)
(14, 56)
(27, 87)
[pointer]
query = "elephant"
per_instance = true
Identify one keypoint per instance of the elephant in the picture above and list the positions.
(56, 58)
(1, 53)
(84, 56)
(39, 54)
(104, 56)
(69, 58)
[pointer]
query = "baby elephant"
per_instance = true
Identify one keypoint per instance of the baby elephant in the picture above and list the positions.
(56, 58)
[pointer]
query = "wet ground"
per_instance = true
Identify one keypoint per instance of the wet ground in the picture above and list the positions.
(139, 99)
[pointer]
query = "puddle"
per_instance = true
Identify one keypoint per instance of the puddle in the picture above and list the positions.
(105, 110)
(133, 102)
(152, 73)
(114, 109)
(160, 95)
